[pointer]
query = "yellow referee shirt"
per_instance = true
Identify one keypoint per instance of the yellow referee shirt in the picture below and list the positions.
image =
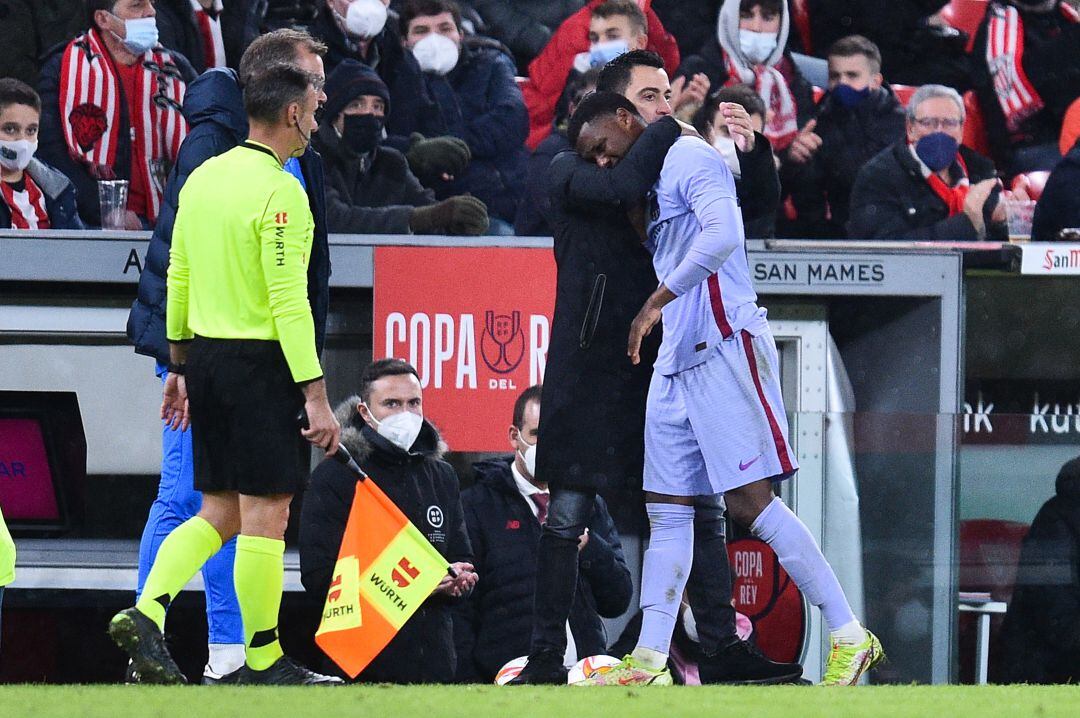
(7, 554)
(240, 249)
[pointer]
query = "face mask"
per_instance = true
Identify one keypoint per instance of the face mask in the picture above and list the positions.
(362, 133)
(849, 97)
(400, 429)
(602, 53)
(140, 34)
(15, 154)
(529, 457)
(436, 53)
(305, 137)
(726, 147)
(937, 150)
(757, 46)
(365, 18)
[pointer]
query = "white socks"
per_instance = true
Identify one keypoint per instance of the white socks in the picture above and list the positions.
(800, 556)
(225, 657)
(663, 578)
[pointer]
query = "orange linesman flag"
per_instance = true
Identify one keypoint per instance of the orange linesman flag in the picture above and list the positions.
(385, 569)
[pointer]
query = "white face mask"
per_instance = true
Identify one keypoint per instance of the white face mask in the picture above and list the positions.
(365, 18)
(140, 34)
(436, 53)
(15, 155)
(529, 457)
(757, 46)
(400, 429)
(726, 147)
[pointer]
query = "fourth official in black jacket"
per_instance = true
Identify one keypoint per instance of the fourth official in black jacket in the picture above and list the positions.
(493, 626)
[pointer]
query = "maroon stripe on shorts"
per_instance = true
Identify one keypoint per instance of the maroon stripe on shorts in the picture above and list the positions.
(778, 436)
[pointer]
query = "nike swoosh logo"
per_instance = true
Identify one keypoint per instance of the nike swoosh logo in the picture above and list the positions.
(744, 465)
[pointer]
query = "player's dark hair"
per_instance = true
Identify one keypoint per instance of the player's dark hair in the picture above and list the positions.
(627, 8)
(383, 367)
(615, 76)
(427, 8)
(853, 45)
(530, 394)
(268, 93)
(595, 105)
(17, 92)
(280, 47)
(774, 7)
(739, 94)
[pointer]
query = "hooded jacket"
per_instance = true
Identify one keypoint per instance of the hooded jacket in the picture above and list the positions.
(60, 199)
(495, 624)
(214, 108)
(1059, 206)
(373, 194)
(1040, 636)
(426, 490)
(480, 103)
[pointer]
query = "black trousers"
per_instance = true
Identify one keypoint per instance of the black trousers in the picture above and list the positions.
(708, 588)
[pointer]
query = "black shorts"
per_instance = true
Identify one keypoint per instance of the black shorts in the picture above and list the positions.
(243, 404)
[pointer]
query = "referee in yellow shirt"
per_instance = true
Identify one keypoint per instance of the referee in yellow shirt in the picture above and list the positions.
(242, 345)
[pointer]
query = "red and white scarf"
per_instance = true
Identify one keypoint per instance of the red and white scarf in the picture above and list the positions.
(210, 31)
(91, 100)
(28, 206)
(954, 196)
(1005, 57)
(781, 121)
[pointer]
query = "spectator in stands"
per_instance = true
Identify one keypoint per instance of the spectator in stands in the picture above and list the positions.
(31, 27)
(198, 29)
(532, 217)
(756, 181)
(1027, 73)
(1041, 633)
(858, 118)
(370, 189)
(1059, 205)
(597, 32)
(111, 109)
(385, 431)
(929, 186)
(690, 21)
(524, 26)
(479, 102)
(504, 513)
(32, 194)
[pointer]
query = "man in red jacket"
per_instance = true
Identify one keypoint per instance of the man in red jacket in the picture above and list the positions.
(596, 27)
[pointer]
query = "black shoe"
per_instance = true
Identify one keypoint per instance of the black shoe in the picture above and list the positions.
(131, 676)
(210, 678)
(140, 638)
(285, 672)
(742, 662)
(544, 669)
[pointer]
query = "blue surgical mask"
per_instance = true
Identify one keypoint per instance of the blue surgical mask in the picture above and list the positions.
(140, 34)
(849, 97)
(757, 46)
(604, 52)
(937, 150)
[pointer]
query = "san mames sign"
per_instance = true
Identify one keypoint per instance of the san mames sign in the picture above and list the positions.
(475, 322)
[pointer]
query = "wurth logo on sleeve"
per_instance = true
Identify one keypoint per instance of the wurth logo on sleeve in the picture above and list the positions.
(281, 218)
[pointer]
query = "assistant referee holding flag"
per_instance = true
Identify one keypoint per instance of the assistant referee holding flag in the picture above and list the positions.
(242, 345)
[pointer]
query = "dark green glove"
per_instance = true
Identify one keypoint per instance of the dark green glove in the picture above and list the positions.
(464, 214)
(430, 159)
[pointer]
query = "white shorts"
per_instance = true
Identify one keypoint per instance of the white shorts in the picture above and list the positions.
(718, 425)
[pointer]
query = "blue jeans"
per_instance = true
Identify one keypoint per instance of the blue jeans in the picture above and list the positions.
(176, 502)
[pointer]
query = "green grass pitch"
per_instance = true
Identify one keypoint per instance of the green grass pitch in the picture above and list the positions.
(493, 702)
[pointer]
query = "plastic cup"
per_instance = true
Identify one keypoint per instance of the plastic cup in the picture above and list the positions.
(113, 196)
(1019, 214)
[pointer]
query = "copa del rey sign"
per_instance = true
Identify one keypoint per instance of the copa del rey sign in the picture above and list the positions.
(475, 322)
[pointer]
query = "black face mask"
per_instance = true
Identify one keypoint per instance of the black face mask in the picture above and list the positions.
(362, 133)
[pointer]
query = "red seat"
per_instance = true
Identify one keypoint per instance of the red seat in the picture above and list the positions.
(965, 15)
(1032, 183)
(989, 555)
(800, 18)
(974, 126)
(904, 93)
